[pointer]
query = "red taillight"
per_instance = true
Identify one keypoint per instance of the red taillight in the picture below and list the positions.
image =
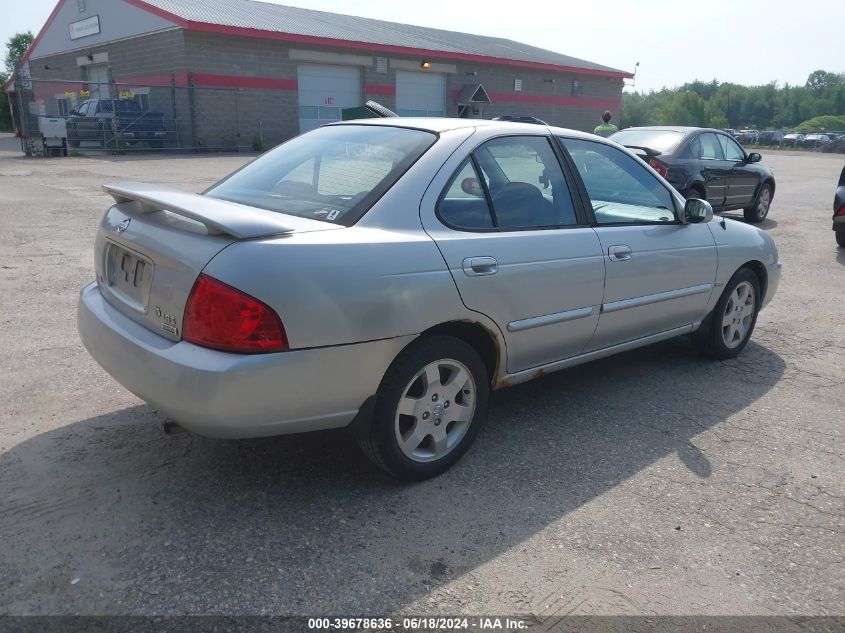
(221, 317)
(841, 211)
(657, 166)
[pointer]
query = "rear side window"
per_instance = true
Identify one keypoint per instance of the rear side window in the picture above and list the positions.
(463, 204)
(509, 183)
(706, 147)
(525, 183)
(332, 173)
(621, 189)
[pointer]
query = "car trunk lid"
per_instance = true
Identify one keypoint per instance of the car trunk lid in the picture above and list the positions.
(155, 241)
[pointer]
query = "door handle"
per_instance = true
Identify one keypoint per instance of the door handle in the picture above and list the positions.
(619, 253)
(476, 266)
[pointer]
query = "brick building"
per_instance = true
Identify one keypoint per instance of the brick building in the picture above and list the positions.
(228, 70)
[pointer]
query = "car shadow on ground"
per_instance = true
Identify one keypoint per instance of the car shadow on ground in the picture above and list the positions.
(840, 255)
(150, 523)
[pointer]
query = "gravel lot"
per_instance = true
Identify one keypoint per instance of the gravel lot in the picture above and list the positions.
(656, 482)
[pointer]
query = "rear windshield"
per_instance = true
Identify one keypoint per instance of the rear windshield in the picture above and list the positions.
(122, 106)
(333, 173)
(659, 140)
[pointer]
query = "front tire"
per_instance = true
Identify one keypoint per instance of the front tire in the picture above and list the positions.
(840, 238)
(760, 209)
(732, 321)
(429, 408)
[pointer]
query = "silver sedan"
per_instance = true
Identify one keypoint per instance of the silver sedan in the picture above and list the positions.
(385, 275)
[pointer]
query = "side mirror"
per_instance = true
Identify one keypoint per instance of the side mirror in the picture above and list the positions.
(697, 211)
(472, 187)
(754, 157)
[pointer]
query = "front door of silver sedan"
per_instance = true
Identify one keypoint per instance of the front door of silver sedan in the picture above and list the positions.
(660, 272)
(505, 222)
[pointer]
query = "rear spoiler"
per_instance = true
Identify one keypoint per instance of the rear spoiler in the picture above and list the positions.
(650, 153)
(219, 216)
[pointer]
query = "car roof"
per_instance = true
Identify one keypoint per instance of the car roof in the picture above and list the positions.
(437, 125)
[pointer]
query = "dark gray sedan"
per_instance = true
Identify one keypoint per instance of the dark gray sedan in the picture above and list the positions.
(706, 163)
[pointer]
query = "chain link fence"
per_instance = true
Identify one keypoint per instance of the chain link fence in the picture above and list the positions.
(80, 117)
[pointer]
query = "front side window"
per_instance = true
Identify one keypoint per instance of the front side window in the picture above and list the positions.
(525, 183)
(731, 149)
(622, 190)
(332, 173)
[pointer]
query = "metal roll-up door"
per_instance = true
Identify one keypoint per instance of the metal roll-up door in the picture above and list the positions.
(324, 91)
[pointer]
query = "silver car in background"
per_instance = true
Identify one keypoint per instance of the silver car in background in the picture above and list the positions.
(385, 275)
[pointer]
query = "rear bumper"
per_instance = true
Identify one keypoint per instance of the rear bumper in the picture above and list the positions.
(232, 395)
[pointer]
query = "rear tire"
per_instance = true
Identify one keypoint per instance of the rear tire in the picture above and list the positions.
(757, 212)
(729, 327)
(840, 238)
(429, 408)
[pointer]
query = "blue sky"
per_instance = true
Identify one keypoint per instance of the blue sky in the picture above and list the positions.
(744, 42)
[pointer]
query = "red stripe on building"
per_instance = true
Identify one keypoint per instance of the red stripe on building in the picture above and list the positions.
(389, 91)
(238, 81)
(163, 80)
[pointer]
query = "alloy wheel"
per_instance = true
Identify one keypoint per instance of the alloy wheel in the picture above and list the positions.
(435, 410)
(739, 315)
(763, 203)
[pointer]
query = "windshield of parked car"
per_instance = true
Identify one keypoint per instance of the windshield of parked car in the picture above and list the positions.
(660, 140)
(334, 173)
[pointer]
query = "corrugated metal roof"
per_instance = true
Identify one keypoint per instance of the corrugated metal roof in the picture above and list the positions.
(249, 14)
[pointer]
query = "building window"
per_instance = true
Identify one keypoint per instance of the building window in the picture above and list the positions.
(577, 88)
(517, 85)
(381, 65)
(143, 101)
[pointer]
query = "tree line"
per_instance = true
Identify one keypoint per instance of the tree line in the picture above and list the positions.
(729, 105)
(15, 48)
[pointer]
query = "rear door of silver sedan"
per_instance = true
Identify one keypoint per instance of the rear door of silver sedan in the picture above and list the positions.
(519, 246)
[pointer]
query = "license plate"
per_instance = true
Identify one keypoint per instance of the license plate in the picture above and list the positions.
(129, 276)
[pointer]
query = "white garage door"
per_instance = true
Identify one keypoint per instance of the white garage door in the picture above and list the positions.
(324, 91)
(420, 94)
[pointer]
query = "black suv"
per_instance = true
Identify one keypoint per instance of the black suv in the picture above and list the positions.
(705, 163)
